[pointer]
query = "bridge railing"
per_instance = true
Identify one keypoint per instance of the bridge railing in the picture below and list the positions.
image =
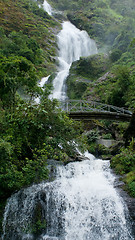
(93, 106)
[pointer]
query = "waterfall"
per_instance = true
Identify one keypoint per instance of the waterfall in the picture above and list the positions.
(80, 204)
(72, 44)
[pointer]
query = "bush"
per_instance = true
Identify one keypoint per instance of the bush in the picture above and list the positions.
(92, 136)
(124, 164)
(92, 148)
(131, 188)
(115, 55)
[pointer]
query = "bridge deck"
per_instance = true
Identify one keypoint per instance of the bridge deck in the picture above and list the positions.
(87, 110)
(86, 116)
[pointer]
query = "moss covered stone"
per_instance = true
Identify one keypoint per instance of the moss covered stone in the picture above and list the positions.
(84, 71)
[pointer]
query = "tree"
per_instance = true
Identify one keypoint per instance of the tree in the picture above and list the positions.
(122, 82)
(16, 72)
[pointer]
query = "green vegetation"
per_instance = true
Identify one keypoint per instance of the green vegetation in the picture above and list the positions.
(117, 85)
(101, 75)
(110, 77)
(31, 134)
(112, 25)
(124, 164)
(24, 29)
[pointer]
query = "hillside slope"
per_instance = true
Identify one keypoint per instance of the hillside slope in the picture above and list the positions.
(33, 22)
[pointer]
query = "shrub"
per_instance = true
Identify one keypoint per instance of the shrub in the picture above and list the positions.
(124, 164)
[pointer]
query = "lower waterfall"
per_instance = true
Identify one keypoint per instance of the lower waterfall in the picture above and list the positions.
(81, 203)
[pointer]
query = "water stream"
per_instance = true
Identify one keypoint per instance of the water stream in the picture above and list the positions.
(81, 202)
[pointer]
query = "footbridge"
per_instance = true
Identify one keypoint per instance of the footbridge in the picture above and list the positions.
(90, 110)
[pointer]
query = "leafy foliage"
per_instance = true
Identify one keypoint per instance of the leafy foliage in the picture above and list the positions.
(16, 72)
(115, 87)
(124, 164)
(117, 96)
(84, 71)
(92, 136)
(28, 31)
(30, 136)
(19, 44)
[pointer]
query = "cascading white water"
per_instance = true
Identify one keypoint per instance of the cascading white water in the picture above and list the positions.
(43, 81)
(47, 7)
(41, 84)
(72, 44)
(80, 204)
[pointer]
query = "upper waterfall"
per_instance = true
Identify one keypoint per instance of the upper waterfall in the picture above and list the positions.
(72, 44)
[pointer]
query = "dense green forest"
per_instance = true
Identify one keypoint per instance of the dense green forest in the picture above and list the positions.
(31, 133)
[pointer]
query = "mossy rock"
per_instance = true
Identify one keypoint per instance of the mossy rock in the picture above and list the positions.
(84, 71)
(76, 88)
(39, 222)
(93, 66)
(102, 150)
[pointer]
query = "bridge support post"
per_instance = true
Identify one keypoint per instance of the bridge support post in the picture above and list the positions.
(67, 107)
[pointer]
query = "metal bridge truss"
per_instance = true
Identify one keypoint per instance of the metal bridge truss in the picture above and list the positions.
(87, 109)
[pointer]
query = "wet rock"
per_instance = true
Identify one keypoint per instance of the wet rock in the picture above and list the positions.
(131, 207)
(80, 158)
(52, 164)
(130, 202)
(115, 149)
(106, 142)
